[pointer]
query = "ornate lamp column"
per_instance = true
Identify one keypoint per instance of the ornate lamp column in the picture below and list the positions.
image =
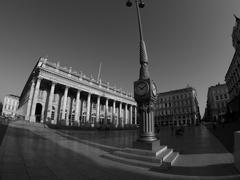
(145, 94)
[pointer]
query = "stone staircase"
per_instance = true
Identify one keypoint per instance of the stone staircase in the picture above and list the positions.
(164, 157)
(27, 123)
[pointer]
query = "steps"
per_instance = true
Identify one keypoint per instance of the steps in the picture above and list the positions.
(145, 152)
(171, 159)
(137, 157)
(164, 157)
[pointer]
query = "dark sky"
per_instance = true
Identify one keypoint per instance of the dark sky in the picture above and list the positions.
(188, 41)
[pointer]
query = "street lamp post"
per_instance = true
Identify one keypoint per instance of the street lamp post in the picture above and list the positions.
(145, 94)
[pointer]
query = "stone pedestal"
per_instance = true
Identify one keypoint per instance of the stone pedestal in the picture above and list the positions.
(151, 146)
(32, 118)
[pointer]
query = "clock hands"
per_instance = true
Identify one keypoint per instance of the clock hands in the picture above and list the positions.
(141, 87)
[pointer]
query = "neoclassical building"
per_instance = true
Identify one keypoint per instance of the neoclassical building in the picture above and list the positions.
(177, 107)
(10, 105)
(217, 100)
(232, 77)
(59, 95)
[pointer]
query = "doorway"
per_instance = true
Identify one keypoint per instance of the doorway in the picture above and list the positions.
(38, 112)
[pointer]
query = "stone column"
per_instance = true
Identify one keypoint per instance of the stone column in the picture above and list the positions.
(77, 106)
(98, 109)
(106, 111)
(65, 104)
(30, 100)
(88, 107)
(113, 112)
(50, 100)
(130, 115)
(120, 121)
(126, 114)
(69, 112)
(135, 117)
(35, 98)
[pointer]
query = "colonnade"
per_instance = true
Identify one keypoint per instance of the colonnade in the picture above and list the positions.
(117, 116)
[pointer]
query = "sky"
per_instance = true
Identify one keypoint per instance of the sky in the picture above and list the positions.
(188, 41)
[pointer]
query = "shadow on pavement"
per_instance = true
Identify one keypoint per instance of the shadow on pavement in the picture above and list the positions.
(210, 170)
(33, 154)
(194, 140)
(225, 133)
(3, 128)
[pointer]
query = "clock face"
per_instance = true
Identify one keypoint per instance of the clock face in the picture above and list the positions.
(154, 89)
(141, 88)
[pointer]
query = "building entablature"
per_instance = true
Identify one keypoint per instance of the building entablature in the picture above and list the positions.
(55, 73)
(83, 86)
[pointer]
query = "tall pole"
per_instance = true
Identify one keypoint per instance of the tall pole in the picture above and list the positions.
(144, 93)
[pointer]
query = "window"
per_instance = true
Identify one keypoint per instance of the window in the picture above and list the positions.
(94, 106)
(216, 97)
(221, 96)
(53, 112)
(225, 96)
(102, 107)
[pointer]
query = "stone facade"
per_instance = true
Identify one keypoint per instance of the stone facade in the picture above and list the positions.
(59, 95)
(217, 100)
(10, 105)
(232, 77)
(177, 107)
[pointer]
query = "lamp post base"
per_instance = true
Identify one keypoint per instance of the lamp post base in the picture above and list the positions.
(147, 145)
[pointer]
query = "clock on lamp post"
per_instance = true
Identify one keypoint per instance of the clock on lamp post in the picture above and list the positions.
(145, 90)
(145, 94)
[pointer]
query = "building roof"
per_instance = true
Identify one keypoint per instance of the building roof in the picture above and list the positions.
(218, 86)
(177, 91)
(12, 95)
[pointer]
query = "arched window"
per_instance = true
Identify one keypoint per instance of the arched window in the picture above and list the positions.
(53, 113)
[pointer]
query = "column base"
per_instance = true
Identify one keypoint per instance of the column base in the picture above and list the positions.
(27, 118)
(145, 145)
(32, 119)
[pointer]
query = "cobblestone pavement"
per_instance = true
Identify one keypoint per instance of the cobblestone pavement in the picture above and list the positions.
(32, 152)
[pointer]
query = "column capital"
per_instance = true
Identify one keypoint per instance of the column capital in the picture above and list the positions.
(66, 87)
(39, 78)
(53, 82)
(33, 80)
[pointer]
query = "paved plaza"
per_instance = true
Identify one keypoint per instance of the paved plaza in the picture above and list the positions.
(30, 151)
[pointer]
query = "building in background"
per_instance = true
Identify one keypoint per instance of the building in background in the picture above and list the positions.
(1, 106)
(232, 77)
(217, 99)
(59, 95)
(177, 107)
(10, 105)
